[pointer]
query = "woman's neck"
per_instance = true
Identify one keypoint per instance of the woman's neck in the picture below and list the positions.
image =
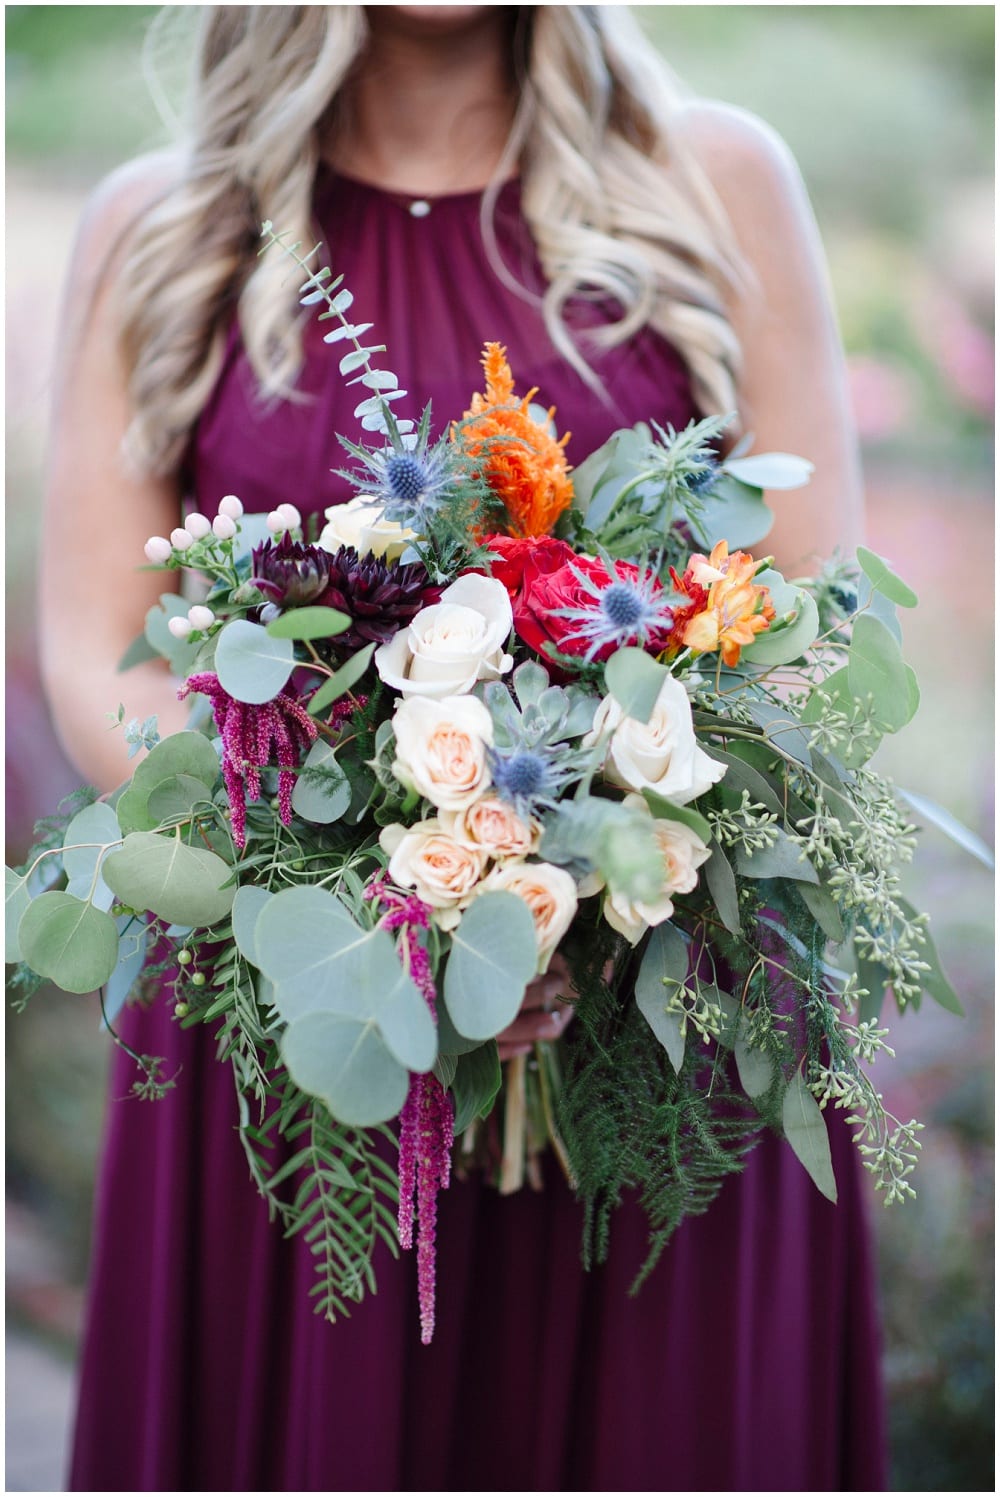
(430, 106)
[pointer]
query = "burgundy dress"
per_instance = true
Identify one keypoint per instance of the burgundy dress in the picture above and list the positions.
(749, 1361)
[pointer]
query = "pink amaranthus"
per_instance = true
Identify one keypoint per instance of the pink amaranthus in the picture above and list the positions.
(252, 736)
(427, 1121)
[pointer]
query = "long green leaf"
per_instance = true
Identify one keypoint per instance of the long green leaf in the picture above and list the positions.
(309, 623)
(341, 681)
(945, 822)
(664, 968)
(881, 576)
(805, 1130)
(718, 874)
(476, 1084)
(934, 981)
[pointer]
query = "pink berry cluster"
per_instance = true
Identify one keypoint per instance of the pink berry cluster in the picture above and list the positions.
(197, 527)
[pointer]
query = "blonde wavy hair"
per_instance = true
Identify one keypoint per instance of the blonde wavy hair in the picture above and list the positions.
(613, 202)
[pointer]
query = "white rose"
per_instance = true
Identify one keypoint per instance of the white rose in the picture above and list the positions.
(451, 645)
(359, 523)
(660, 755)
(442, 872)
(493, 826)
(683, 852)
(549, 893)
(441, 749)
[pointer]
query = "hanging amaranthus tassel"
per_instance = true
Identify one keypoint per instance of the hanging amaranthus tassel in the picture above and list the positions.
(427, 1121)
(253, 735)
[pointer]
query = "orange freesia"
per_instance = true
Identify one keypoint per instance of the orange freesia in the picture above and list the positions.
(728, 608)
(523, 463)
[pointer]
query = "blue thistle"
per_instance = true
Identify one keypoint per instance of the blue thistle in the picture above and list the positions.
(699, 482)
(410, 479)
(626, 611)
(529, 779)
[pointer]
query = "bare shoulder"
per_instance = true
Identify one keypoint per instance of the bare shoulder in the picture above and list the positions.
(747, 162)
(118, 205)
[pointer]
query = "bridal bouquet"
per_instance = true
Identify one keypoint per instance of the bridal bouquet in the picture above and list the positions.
(491, 710)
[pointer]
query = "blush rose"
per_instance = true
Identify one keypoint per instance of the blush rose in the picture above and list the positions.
(442, 872)
(441, 749)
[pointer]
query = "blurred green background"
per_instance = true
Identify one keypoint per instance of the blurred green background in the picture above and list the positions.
(889, 110)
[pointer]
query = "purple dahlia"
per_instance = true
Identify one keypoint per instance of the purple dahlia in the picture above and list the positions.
(289, 572)
(381, 597)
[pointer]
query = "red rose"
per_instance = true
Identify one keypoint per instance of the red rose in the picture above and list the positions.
(537, 554)
(536, 620)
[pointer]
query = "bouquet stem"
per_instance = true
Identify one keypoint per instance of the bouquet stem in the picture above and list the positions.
(515, 1117)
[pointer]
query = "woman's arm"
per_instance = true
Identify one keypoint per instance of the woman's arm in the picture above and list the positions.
(97, 516)
(793, 389)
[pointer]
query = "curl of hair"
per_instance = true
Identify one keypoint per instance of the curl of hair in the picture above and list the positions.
(613, 204)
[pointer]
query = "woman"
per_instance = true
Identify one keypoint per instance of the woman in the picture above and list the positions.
(641, 257)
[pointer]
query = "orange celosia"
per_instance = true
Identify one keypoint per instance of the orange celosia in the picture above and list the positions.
(523, 463)
(735, 609)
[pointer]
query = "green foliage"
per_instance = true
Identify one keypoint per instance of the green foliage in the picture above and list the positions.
(721, 885)
(182, 885)
(475, 1085)
(618, 841)
(883, 578)
(664, 967)
(735, 512)
(806, 1132)
(89, 835)
(322, 791)
(755, 1067)
(170, 765)
(16, 900)
(346, 1062)
(132, 948)
(248, 902)
(68, 941)
(331, 1186)
(783, 858)
(769, 470)
(322, 961)
(630, 1122)
(876, 672)
(933, 980)
(494, 953)
(356, 1022)
(778, 646)
(341, 681)
(250, 664)
(635, 680)
(308, 623)
(180, 653)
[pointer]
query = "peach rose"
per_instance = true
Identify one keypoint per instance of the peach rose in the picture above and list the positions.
(441, 749)
(495, 827)
(440, 871)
